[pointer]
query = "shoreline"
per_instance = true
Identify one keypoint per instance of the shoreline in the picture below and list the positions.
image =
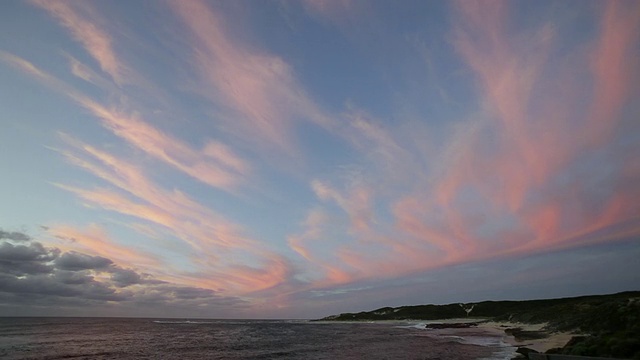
(594, 325)
(517, 335)
(541, 342)
(513, 334)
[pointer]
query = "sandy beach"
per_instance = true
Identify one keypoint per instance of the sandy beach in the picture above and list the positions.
(553, 340)
(548, 340)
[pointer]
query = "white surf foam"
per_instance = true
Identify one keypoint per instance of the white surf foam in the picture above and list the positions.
(181, 322)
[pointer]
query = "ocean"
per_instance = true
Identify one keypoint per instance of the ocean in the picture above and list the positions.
(135, 338)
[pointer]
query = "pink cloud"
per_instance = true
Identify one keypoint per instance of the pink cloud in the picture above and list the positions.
(113, 201)
(434, 236)
(87, 74)
(356, 203)
(314, 225)
(509, 77)
(240, 279)
(174, 210)
(308, 243)
(517, 178)
(535, 119)
(216, 164)
(615, 68)
(531, 149)
(275, 271)
(80, 19)
(42, 76)
(322, 244)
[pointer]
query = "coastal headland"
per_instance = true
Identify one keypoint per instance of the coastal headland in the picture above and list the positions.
(598, 325)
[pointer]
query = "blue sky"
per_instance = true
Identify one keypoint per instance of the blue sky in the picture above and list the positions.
(303, 158)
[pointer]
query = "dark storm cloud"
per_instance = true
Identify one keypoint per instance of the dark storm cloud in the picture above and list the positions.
(125, 277)
(29, 259)
(14, 235)
(37, 270)
(32, 252)
(72, 277)
(61, 284)
(51, 287)
(96, 290)
(40, 272)
(20, 268)
(77, 261)
(38, 301)
(36, 284)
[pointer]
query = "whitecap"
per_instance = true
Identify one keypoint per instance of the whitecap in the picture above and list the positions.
(181, 322)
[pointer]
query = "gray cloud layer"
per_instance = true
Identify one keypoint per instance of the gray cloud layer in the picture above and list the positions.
(76, 261)
(36, 276)
(14, 235)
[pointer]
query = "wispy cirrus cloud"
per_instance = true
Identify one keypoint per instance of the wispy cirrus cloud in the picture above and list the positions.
(213, 240)
(83, 23)
(313, 225)
(535, 148)
(519, 176)
(316, 244)
(509, 76)
(357, 204)
(162, 206)
(216, 164)
(614, 66)
(259, 90)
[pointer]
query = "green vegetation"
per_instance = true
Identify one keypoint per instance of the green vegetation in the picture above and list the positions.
(614, 328)
(422, 312)
(611, 322)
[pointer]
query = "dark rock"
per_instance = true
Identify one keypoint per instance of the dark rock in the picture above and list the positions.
(525, 351)
(520, 334)
(451, 326)
(556, 350)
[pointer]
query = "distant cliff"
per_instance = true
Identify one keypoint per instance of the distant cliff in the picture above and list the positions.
(612, 321)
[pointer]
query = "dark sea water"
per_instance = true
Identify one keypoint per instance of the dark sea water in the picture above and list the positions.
(118, 338)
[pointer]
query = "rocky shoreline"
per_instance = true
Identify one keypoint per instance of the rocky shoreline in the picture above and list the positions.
(597, 325)
(528, 338)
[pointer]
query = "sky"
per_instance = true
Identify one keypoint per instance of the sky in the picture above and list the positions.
(297, 159)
